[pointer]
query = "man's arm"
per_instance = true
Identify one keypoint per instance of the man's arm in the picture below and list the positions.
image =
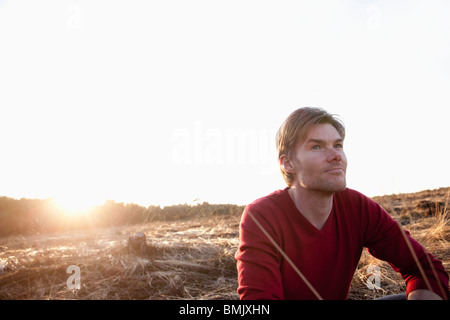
(258, 263)
(385, 241)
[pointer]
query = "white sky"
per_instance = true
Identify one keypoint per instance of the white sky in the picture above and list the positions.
(163, 102)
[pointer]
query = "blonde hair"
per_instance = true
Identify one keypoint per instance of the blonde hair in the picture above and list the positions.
(296, 127)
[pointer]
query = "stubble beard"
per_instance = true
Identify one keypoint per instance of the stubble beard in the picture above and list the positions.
(321, 185)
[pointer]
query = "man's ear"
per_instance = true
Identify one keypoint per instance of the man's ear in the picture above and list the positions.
(286, 164)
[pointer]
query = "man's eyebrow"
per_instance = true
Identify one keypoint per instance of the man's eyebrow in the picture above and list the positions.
(312, 140)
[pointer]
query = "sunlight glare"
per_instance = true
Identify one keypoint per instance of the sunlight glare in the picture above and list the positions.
(73, 206)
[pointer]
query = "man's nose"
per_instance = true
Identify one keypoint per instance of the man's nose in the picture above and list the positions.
(334, 155)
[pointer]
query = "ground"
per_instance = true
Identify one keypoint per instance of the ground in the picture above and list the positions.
(185, 259)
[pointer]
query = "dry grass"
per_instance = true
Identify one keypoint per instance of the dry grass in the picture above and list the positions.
(184, 259)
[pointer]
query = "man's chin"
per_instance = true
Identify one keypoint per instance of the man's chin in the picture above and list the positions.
(336, 187)
(328, 187)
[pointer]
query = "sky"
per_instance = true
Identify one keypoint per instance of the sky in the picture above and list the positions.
(169, 102)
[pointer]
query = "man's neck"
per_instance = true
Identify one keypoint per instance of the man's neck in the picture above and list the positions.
(315, 206)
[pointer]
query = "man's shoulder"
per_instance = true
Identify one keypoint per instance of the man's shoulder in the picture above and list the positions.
(268, 210)
(350, 194)
(274, 198)
(351, 198)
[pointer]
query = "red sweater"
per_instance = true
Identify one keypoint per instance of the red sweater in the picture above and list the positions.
(328, 257)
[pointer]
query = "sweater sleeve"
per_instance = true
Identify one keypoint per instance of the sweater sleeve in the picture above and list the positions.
(258, 262)
(384, 240)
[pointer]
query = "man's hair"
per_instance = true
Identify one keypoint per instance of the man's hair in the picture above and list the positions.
(295, 129)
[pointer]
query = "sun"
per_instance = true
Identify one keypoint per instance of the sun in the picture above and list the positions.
(72, 205)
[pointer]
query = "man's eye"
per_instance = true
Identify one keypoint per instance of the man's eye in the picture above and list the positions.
(339, 146)
(316, 147)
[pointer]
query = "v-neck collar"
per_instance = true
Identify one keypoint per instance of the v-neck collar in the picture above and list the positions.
(303, 219)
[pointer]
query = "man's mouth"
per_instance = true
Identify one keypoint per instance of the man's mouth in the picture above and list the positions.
(335, 169)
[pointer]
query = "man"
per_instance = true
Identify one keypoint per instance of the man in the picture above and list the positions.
(304, 242)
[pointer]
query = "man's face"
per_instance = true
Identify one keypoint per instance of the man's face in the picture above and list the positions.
(319, 162)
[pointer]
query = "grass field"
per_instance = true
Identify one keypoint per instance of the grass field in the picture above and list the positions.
(185, 259)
